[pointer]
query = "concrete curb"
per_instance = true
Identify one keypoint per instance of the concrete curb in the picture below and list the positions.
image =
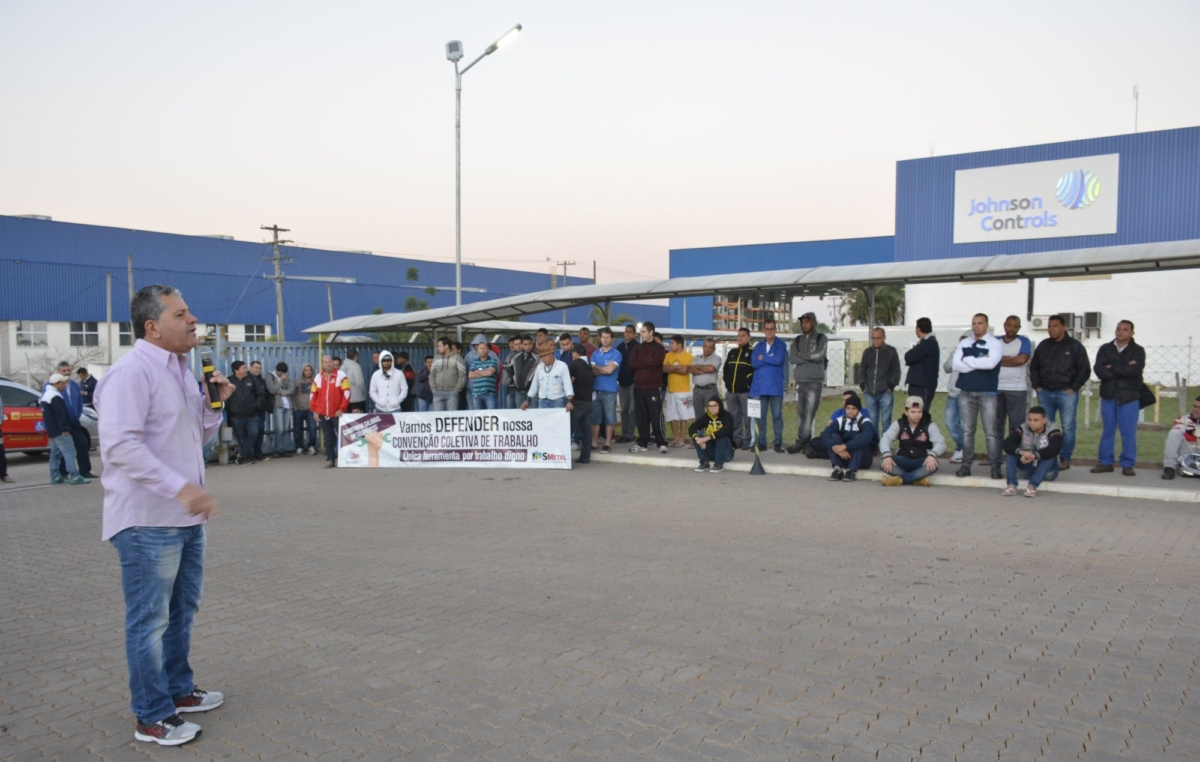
(744, 461)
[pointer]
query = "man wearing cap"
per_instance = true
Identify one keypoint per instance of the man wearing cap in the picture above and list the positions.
(482, 374)
(910, 446)
(58, 429)
(154, 422)
(849, 440)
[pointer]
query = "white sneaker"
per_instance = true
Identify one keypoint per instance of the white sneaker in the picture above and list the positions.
(575, 446)
(312, 451)
(956, 457)
(169, 731)
(662, 449)
(299, 450)
(638, 448)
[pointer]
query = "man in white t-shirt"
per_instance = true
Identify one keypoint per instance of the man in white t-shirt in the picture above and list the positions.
(1012, 391)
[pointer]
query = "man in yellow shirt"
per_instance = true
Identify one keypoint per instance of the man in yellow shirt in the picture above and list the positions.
(678, 404)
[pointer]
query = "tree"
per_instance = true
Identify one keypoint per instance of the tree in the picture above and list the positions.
(412, 275)
(889, 306)
(597, 318)
(413, 304)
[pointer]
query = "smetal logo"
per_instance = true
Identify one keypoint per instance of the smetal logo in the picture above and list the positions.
(1078, 189)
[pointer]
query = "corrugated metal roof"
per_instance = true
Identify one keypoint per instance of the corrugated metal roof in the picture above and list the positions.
(816, 280)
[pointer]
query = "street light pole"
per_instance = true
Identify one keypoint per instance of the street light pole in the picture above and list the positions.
(454, 53)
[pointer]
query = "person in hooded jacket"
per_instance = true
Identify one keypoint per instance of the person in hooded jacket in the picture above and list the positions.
(712, 435)
(58, 429)
(849, 440)
(808, 360)
(389, 387)
(911, 446)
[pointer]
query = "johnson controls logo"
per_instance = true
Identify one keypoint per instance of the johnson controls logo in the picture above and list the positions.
(1078, 189)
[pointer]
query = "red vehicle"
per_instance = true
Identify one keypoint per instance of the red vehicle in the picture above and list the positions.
(24, 430)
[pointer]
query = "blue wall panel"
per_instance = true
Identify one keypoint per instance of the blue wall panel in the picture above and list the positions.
(56, 271)
(1159, 195)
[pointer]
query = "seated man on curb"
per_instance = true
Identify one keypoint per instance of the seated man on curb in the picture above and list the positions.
(850, 440)
(918, 442)
(815, 449)
(712, 435)
(1181, 440)
(1032, 452)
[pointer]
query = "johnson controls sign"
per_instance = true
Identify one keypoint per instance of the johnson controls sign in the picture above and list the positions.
(1045, 199)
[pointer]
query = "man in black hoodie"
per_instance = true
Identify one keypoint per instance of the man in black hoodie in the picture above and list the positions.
(808, 361)
(738, 374)
(712, 436)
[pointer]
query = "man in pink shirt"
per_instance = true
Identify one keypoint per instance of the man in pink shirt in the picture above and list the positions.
(154, 422)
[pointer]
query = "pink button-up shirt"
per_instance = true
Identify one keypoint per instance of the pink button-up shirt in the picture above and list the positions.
(154, 422)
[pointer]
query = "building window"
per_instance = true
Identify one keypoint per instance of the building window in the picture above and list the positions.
(31, 333)
(85, 334)
(256, 332)
(125, 334)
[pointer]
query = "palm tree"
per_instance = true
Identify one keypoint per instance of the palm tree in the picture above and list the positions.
(597, 318)
(889, 306)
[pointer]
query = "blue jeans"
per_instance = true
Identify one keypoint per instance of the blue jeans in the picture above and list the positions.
(717, 451)
(1125, 418)
(281, 438)
(808, 399)
(513, 398)
(879, 409)
(483, 401)
(62, 456)
(1065, 405)
(909, 469)
(304, 420)
(245, 430)
(775, 405)
(423, 406)
(162, 574)
(1045, 471)
(973, 406)
(329, 433)
(544, 403)
(604, 412)
(953, 422)
(258, 437)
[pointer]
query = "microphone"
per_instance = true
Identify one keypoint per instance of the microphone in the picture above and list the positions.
(214, 396)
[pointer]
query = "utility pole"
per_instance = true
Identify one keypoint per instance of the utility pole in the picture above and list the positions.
(278, 260)
(565, 265)
(1135, 108)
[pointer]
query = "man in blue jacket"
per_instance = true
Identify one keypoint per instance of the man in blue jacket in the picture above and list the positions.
(770, 356)
(922, 361)
(850, 440)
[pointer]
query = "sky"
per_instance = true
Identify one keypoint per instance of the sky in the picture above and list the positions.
(606, 132)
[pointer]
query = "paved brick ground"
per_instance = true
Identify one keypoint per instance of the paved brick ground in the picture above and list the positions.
(625, 613)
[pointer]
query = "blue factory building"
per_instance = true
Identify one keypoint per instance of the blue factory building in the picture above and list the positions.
(1109, 191)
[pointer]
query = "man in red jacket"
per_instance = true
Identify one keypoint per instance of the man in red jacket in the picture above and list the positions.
(646, 359)
(330, 398)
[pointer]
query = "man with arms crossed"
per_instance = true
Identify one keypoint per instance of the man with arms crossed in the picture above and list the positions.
(154, 422)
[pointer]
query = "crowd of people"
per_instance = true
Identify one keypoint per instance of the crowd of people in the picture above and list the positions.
(648, 390)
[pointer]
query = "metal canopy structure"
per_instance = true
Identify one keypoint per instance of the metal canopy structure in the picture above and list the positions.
(814, 281)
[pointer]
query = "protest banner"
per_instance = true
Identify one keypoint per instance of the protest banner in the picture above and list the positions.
(463, 438)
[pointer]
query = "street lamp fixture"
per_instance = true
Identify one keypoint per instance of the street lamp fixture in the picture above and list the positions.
(454, 54)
